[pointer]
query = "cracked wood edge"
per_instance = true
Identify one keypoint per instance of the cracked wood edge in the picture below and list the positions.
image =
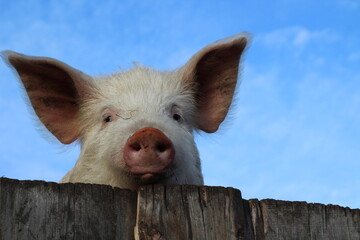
(190, 212)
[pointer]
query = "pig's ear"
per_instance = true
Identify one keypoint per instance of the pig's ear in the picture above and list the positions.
(54, 90)
(214, 72)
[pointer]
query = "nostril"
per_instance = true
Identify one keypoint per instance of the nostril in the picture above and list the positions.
(136, 146)
(161, 147)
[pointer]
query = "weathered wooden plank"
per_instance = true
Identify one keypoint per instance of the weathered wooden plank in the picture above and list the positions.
(316, 221)
(301, 227)
(43, 210)
(269, 212)
(337, 223)
(249, 228)
(274, 219)
(257, 221)
(190, 212)
(353, 222)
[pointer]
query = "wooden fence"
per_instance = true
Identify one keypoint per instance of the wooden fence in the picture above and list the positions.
(45, 210)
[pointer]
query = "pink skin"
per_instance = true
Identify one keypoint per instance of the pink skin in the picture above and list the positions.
(148, 153)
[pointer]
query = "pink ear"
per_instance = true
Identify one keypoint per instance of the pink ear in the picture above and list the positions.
(214, 72)
(55, 91)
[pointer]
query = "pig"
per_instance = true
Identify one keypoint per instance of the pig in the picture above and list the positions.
(136, 126)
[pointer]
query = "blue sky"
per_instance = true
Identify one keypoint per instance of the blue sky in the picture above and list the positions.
(294, 132)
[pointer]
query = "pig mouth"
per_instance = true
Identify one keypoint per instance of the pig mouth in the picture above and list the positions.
(151, 177)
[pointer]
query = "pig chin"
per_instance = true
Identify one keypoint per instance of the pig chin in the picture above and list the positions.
(143, 176)
(151, 178)
(150, 174)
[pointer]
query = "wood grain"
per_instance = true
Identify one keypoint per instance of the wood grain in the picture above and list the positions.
(190, 212)
(274, 219)
(44, 210)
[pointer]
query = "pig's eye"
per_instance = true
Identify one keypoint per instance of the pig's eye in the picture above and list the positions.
(108, 119)
(177, 117)
(176, 114)
(108, 116)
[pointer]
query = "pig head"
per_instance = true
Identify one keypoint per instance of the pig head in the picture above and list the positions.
(135, 127)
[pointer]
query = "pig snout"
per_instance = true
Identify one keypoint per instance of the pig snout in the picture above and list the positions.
(148, 153)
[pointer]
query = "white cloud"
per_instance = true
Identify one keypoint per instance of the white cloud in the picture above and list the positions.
(352, 4)
(296, 36)
(302, 36)
(353, 57)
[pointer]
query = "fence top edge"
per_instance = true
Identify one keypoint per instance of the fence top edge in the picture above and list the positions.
(310, 204)
(207, 188)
